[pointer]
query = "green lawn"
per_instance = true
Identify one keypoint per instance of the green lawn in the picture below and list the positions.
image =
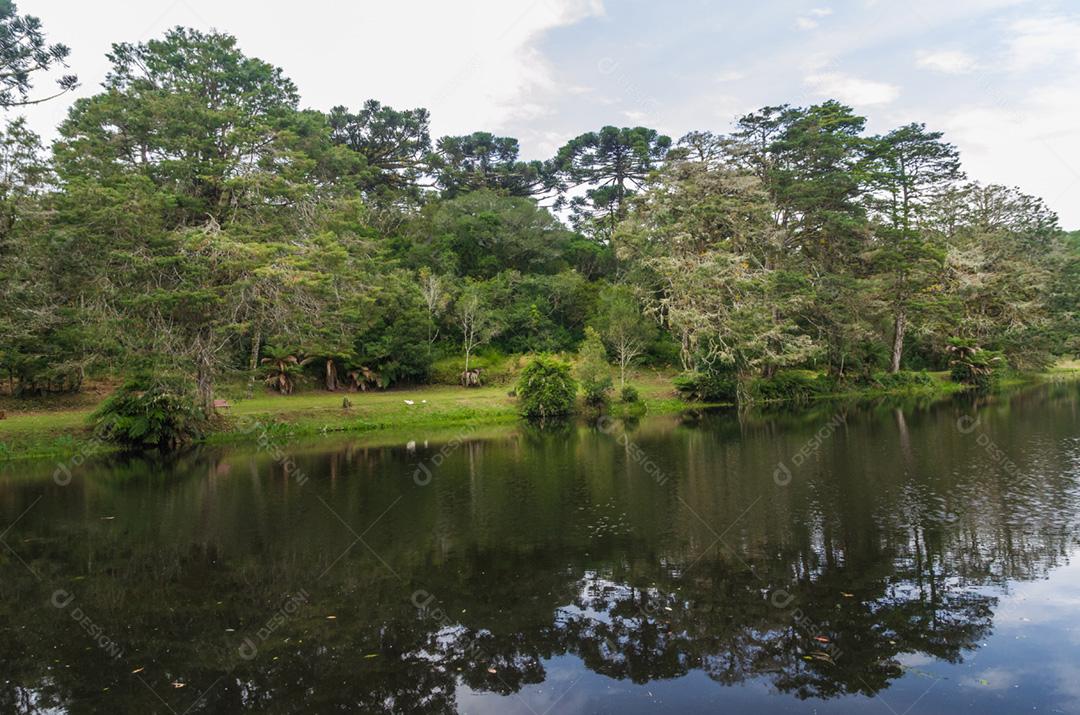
(36, 429)
(54, 427)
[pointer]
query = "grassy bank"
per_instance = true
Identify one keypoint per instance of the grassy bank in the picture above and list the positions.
(58, 427)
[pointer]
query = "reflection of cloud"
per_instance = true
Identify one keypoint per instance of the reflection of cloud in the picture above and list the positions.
(914, 660)
(994, 679)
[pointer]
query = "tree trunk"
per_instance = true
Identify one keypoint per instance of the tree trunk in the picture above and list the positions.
(898, 341)
(331, 376)
(205, 385)
(256, 339)
(685, 355)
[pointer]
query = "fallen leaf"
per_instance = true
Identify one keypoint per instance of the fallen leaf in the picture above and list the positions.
(372, 655)
(138, 670)
(492, 671)
(178, 684)
(821, 639)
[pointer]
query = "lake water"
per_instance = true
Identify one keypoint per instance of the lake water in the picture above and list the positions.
(886, 558)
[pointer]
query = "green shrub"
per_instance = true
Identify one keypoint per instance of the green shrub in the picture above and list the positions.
(863, 359)
(159, 411)
(789, 386)
(546, 389)
(708, 386)
(903, 380)
(630, 394)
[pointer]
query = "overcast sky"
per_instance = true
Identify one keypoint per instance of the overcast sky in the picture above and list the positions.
(1000, 77)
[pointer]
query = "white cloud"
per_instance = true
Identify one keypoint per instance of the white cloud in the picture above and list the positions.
(947, 61)
(475, 65)
(730, 75)
(810, 20)
(852, 90)
(1042, 41)
(1030, 140)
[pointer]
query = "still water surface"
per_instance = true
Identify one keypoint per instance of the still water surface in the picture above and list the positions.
(848, 559)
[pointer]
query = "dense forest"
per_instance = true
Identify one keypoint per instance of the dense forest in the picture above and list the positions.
(192, 219)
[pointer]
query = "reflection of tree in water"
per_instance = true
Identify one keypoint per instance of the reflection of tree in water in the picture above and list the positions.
(719, 618)
(881, 559)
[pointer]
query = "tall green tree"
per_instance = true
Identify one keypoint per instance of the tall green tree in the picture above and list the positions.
(814, 162)
(1005, 249)
(42, 336)
(912, 168)
(394, 145)
(481, 160)
(702, 236)
(610, 165)
(24, 52)
(200, 151)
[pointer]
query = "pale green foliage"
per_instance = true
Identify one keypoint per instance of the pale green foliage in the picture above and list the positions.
(706, 237)
(593, 370)
(623, 327)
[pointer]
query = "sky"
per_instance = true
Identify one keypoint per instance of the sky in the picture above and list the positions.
(1001, 78)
